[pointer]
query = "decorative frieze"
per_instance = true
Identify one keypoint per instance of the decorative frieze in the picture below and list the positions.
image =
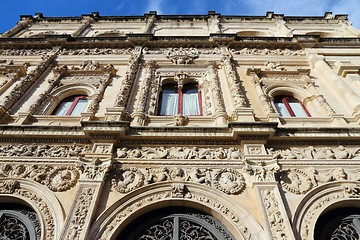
(317, 152)
(97, 51)
(181, 56)
(178, 153)
(56, 178)
(266, 51)
(227, 180)
(45, 150)
(301, 181)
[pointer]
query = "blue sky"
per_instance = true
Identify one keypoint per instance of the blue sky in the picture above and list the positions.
(12, 9)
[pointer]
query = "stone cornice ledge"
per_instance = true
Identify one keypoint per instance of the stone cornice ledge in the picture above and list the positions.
(337, 133)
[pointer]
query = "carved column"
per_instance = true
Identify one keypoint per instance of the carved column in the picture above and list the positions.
(20, 89)
(262, 167)
(344, 93)
(281, 24)
(264, 98)
(36, 106)
(119, 110)
(242, 112)
(220, 112)
(149, 23)
(94, 169)
(153, 95)
(142, 94)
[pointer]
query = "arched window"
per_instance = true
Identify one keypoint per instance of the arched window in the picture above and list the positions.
(290, 107)
(175, 224)
(71, 106)
(175, 100)
(18, 222)
(338, 224)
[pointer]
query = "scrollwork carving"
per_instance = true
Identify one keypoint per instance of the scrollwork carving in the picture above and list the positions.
(182, 55)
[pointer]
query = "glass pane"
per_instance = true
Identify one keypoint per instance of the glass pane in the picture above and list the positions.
(79, 107)
(191, 102)
(169, 101)
(297, 108)
(63, 107)
(281, 108)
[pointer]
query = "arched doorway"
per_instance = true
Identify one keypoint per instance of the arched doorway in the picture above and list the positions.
(339, 224)
(176, 223)
(18, 222)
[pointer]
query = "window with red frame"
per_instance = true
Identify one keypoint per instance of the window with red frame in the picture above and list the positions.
(290, 107)
(176, 100)
(71, 106)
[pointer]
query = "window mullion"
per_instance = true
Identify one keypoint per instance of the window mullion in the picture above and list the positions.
(180, 102)
(200, 100)
(76, 100)
(304, 108)
(288, 107)
(176, 230)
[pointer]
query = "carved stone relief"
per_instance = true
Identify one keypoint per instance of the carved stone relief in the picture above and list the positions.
(178, 153)
(35, 150)
(13, 187)
(228, 181)
(317, 152)
(123, 213)
(265, 51)
(58, 179)
(96, 51)
(80, 213)
(181, 55)
(301, 181)
(275, 218)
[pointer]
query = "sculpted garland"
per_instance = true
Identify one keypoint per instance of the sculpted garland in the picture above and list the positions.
(226, 180)
(178, 153)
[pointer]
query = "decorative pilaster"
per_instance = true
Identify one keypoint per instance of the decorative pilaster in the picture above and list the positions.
(19, 90)
(94, 167)
(264, 99)
(153, 95)
(86, 22)
(122, 98)
(242, 112)
(142, 94)
(150, 20)
(220, 112)
(345, 94)
(262, 168)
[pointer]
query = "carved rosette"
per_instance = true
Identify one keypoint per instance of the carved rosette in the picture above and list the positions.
(229, 181)
(233, 81)
(128, 81)
(62, 178)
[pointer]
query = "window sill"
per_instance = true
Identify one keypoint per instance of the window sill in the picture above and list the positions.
(191, 121)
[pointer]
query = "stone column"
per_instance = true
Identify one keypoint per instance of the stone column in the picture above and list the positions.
(118, 112)
(86, 22)
(344, 93)
(94, 168)
(142, 94)
(262, 168)
(281, 24)
(242, 111)
(217, 95)
(149, 23)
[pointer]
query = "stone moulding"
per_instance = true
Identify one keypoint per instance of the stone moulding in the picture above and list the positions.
(318, 201)
(140, 201)
(41, 200)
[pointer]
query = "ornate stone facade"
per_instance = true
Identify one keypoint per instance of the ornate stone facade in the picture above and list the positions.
(247, 126)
